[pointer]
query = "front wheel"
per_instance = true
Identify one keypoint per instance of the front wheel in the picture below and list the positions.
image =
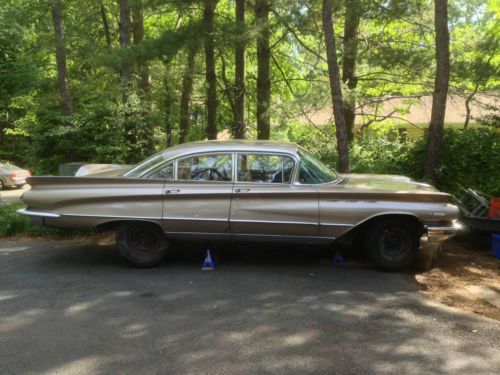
(143, 244)
(393, 243)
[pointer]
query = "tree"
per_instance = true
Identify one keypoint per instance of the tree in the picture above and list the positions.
(187, 89)
(239, 71)
(440, 94)
(349, 59)
(262, 9)
(335, 89)
(138, 37)
(105, 26)
(125, 41)
(62, 70)
(210, 76)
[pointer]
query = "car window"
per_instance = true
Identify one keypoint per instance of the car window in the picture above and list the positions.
(312, 171)
(146, 165)
(265, 168)
(9, 167)
(216, 167)
(164, 173)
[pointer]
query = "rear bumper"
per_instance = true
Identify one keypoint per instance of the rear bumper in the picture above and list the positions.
(441, 233)
(15, 181)
(38, 217)
(28, 212)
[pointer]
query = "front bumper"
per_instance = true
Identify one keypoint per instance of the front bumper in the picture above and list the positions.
(441, 233)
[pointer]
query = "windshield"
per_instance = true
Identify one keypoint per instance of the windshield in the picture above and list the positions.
(146, 165)
(312, 171)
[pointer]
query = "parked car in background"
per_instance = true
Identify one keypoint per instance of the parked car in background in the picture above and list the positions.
(12, 176)
(249, 191)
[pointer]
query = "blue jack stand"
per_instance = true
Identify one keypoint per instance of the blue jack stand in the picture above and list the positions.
(208, 263)
(338, 258)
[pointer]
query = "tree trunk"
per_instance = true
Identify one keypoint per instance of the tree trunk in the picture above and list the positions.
(239, 72)
(211, 103)
(105, 26)
(351, 27)
(62, 70)
(169, 101)
(336, 92)
(262, 9)
(187, 89)
(467, 105)
(138, 37)
(125, 40)
(144, 83)
(440, 94)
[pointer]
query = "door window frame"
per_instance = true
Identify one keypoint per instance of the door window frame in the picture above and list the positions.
(201, 154)
(265, 153)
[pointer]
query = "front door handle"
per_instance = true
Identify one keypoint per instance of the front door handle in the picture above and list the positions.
(172, 191)
(238, 190)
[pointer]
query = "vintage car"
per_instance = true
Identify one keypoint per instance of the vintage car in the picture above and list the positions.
(249, 191)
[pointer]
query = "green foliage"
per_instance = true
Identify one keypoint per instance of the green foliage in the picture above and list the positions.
(469, 158)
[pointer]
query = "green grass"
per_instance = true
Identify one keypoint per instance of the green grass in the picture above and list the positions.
(12, 224)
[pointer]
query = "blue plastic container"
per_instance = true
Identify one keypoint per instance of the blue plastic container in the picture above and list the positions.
(495, 245)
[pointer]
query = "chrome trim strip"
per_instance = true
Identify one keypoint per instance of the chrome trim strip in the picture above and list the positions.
(26, 212)
(337, 225)
(278, 237)
(114, 216)
(272, 222)
(194, 219)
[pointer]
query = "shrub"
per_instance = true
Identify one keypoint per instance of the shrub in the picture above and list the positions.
(469, 158)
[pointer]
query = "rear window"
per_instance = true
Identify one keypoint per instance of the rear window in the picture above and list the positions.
(9, 167)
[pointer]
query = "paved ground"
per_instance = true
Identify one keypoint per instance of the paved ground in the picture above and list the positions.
(11, 195)
(68, 308)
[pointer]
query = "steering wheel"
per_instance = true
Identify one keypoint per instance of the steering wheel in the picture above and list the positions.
(212, 174)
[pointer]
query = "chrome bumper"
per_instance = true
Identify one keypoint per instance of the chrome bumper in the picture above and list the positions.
(27, 212)
(442, 233)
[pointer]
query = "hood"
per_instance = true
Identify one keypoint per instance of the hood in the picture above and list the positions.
(381, 182)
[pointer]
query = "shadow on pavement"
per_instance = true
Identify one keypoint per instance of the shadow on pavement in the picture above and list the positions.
(265, 309)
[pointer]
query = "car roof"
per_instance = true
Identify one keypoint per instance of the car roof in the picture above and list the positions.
(232, 145)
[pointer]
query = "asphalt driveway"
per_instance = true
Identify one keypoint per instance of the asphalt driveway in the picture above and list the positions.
(69, 308)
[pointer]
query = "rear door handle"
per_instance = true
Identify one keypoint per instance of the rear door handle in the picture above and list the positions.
(238, 190)
(172, 191)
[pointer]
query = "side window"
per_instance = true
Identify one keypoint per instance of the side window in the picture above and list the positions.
(265, 168)
(165, 173)
(216, 167)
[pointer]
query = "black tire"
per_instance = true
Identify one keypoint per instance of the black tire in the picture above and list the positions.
(393, 243)
(143, 244)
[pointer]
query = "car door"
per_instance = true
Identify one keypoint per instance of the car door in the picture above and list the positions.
(196, 202)
(265, 202)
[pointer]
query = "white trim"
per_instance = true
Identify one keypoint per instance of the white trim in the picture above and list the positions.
(26, 212)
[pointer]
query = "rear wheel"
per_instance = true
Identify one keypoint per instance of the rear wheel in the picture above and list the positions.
(393, 243)
(143, 244)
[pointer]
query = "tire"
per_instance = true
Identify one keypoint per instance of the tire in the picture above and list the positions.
(143, 244)
(2, 185)
(20, 186)
(393, 243)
